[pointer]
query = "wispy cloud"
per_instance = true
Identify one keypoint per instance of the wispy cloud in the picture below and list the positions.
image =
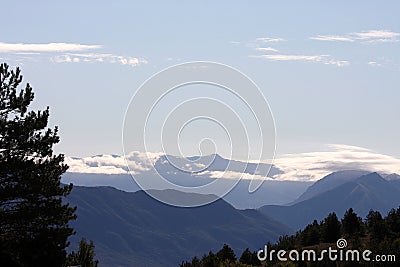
(309, 166)
(266, 49)
(138, 162)
(371, 36)
(48, 47)
(377, 36)
(325, 59)
(65, 53)
(269, 40)
(374, 64)
(282, 57)
(332, 38)
(94, 57)
(312, 166)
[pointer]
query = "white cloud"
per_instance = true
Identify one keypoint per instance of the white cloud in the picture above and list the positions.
(266, 49)
(332, 38)
(269, 40)
(49, 47)
(312, 166)
(309, 166)
(235, 175)
(377, 36)
(112, 164)
(338, 63)
(325, 59)
(66, 52)
(98, 57)
(371, 36)
(374, 64)
(282, 57)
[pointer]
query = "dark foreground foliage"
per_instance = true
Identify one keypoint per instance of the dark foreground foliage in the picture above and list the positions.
(34, 220)
(381, 235)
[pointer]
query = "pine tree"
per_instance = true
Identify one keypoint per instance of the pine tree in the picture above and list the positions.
(33, 218)
(226, 253)
(331, 228)
(311, 234)
(249, 258)
(84, 257)
(351, 223)
(376, 225)
(393, 222)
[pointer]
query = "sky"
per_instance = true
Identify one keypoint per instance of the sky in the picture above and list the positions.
(330, 71)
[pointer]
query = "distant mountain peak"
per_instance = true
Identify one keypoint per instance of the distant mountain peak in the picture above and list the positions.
(393, 176)
(331, 181)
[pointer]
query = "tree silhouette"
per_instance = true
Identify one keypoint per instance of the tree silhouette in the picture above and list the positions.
(311, 234)
(331, 228)
(376, 225)
(226, 253)
(34, 220)
(84, 257)
(393, 222)
(351, 223)
(249, 258)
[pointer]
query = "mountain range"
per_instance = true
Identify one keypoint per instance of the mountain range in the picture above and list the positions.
(111, 170)
(338, 192)
(133, 229)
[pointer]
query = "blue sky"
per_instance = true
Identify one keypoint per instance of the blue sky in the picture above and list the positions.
(330, 71)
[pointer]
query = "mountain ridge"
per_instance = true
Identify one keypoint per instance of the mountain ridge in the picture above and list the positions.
(127, 227)
(367, 192)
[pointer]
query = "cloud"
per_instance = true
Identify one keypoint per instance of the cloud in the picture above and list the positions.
(377, 36)
(113, 164)
(49, 47)
(374, 64)
(338, 63)
(325, 59)
(308, 166)
(65, 52)
(371, 36)
(266, 49)
(312, 166)
(98, 57)
(332, 38)
(235, 175)
(269, 40)
(282, 57)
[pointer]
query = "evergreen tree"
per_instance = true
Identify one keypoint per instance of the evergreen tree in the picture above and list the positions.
(393, 222)
(33, 218)
(376, 225)
(210, 260)
(84, 257)
(351, 223)
(249, 258)
(311, 234)
(331, 228)
(226, 253)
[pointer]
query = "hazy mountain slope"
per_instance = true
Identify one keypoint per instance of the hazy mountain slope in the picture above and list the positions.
(132, 229)
(330, 182)
(270, 192)
(370, 191)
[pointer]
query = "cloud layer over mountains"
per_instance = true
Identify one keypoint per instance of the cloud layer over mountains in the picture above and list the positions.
(309, 166)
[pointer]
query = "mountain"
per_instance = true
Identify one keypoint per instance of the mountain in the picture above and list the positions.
(111, 170)
(367, 192)
(392, 177)
(211, 163)
(329, 182)
(133, 229)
